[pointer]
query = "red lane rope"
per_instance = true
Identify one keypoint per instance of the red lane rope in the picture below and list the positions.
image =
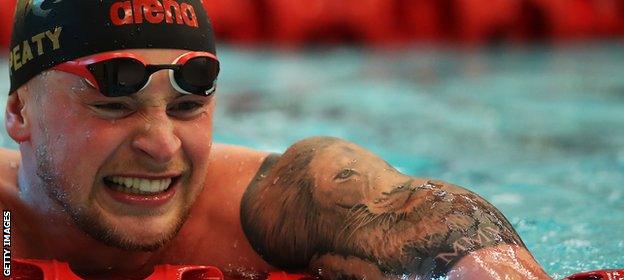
(605, 274)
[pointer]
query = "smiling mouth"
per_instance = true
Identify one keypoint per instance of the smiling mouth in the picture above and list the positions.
(139, 186)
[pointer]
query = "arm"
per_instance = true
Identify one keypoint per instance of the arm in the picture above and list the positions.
(330, 206)
(498, 262)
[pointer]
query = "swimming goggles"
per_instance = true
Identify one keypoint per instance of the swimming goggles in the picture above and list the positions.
(122, 74)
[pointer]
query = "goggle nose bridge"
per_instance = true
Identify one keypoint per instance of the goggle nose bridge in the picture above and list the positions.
(150, 69)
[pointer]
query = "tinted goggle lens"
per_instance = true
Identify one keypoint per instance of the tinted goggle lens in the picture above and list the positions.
(119, 76)
(198, 69)
(125, 76)
(197, 76)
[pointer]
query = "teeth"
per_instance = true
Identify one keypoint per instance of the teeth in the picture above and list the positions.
(140, 185)
(136, 183)
(127, 182)
(145, 185)
(155, 185)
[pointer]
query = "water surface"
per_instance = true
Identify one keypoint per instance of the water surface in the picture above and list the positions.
(538, 131)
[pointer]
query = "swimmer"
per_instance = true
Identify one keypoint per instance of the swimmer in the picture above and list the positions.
(112, 104)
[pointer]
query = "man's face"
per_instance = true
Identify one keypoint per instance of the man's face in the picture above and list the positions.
(107, 160)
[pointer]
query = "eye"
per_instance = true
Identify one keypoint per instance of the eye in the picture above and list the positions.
(111, 106)
(186, 109)
(112, 110)
(344, 174)
(185, 106)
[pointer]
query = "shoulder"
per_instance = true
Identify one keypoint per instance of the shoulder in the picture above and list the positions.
(9, 160)
(9, 163)
(228, 160)
(230, 170)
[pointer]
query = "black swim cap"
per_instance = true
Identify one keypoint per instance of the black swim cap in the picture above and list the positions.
(49, 32)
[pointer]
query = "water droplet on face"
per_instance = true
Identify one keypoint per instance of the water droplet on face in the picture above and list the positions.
(148, 127)
(77, 89)
(13, 165)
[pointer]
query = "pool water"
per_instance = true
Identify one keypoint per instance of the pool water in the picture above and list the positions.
(536, 130)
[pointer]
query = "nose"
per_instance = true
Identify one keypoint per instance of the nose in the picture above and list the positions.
(157, 139)
(407, 185)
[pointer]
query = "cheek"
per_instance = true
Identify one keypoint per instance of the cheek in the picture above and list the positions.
(80, 144)
(196, 139)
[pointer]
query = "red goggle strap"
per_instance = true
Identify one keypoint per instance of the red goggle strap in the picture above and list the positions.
(79, 66)
(76, 68)
(187, 56)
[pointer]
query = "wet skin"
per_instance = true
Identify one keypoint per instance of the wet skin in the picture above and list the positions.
(335, 208)
(72, 139)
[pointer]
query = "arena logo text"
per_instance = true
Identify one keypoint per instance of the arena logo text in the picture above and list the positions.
(153, 11)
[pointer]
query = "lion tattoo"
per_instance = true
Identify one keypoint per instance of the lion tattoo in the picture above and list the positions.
(336, 209)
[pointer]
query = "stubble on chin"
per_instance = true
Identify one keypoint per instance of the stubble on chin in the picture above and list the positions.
(87, 219)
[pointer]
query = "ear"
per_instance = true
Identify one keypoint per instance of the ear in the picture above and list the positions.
(16, 121)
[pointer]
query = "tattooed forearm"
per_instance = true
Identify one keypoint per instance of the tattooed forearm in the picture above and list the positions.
(484, 236)
(332, 205)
